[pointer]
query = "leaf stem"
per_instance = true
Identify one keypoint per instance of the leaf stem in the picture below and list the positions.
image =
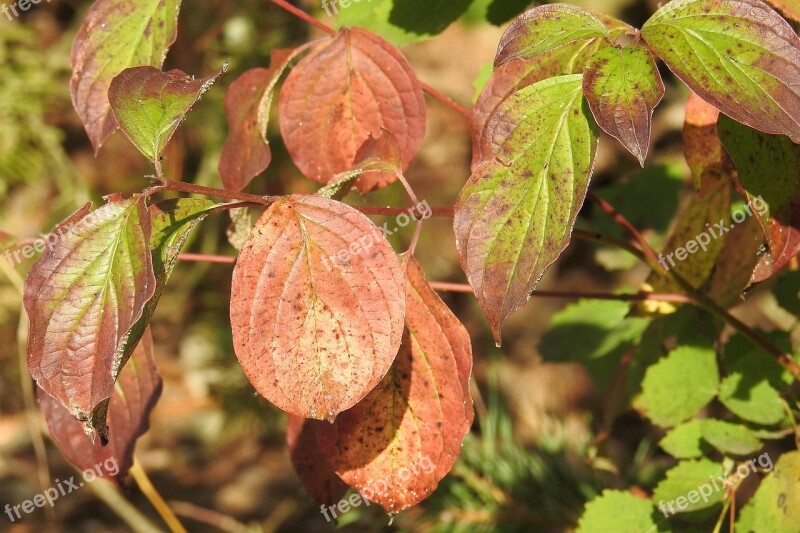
(150, 492)
(244, 199)
(638, 297)
(447, 101)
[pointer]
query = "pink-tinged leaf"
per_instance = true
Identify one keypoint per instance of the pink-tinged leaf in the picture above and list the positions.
(395, 445)
(149, 105)
(769, 171)
(135, 395)
(515, 214)
(115, 35)
(316, 475)
(553, 26)
(246, 152)
(83, 297)
(738, 55)
(376, 160)
(368, 87)
(317, 306)
(623, 87)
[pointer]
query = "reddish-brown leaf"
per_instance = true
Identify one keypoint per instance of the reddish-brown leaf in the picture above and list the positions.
(316, 475)
(136, 393)
(398, 443)
(83, 296)
(317, 306)
(115, 35)
(350, 87)
(246, 152)
(736, 266)
(701, 144)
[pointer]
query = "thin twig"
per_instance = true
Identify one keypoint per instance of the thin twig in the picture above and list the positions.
(447, 101)
(207, 258)
(639, 297)
(150, 492)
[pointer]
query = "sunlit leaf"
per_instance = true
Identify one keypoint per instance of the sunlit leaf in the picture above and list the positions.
(738, 55)
(83, 297)
(623, 87)
(691, 476)
(149, 105)
(368, 88)
(514, 216)
(685, 441)
(603, 513)
(729, 438)
(317, 306)
(135, 394)
(679, 385)
(398, 443)
(115, 35)
(550, 27)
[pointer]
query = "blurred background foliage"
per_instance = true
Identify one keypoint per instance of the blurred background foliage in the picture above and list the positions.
(553, 427)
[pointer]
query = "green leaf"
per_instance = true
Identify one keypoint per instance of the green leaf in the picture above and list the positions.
(775, 508)
(550, 27)
(728, 438)
(768, 168)
(115, 35)
(594, 332)
(514, 216)
(685, 441)
(398, 21)
(739, 55)
(679, 385)
(603, 514)
(149, 104)
(751, 388)
(623, 87)
(690, 486)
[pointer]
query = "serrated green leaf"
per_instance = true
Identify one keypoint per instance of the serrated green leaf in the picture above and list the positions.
(603, 514)
(679, 385)
(685, 441)
(400, 22)
(729, 438)
(115, 35)
(623, 87)
(751, 388)
(775, 508)
(514, 216)
(149, 104)
(594, 332)
(739, 55)
(690, 486)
